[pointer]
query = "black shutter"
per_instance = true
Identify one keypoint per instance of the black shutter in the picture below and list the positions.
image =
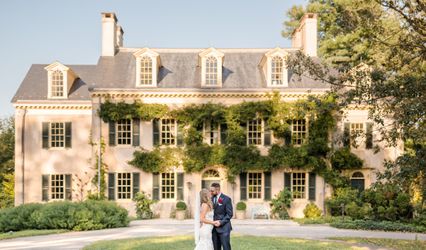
(267, 135)
(267, 185)
(287, 181)
(347, 134)
(223, 133)
(45, 187)
(369, 136)
(111, 186)
(287, 136)
(45, 135)
(180, 186)
(156, 186)
(156, 132)
(68, 192)
(136, 132)
(312, 186)
(243, 186)
(179, 135)
(136, 185)
(68, 133)
(111, 126)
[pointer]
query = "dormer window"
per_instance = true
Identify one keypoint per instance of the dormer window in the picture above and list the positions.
(211, 61)
(147, 66)
(277, 71)
(57, 86)
(274, 68)
(60, 79)
(211, 71)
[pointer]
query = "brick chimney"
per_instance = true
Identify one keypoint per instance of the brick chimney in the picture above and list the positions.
(112, 34)
(305, 36)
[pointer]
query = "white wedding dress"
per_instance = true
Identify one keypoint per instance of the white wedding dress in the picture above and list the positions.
(205, 241)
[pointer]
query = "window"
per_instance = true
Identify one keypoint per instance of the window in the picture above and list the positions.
(168, 131)
(146, 71)
(357, 181)
(357, 129)
(211, 132)
(57, 187)
(277, 71)
(57, 87)
(298, 185)
(124, 132)
(124, 185)
(57, 134)
(298, 132)
(167, 185)
(254, 185)
(211, 71)
(254, 132)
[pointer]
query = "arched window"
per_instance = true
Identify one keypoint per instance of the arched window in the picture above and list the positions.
(211, 71)
(146, 71)
(209, 177)
(57, 88)
(358, 181)
(277, 71)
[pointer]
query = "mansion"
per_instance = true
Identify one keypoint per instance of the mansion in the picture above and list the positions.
(59, 132)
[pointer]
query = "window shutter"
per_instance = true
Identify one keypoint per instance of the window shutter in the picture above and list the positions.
(287, 137)
(245, 129)
(136, 132)
(180, 186)
(369, 136)
(156, 186)
(111, 186)
(223, 133)
(312, 186)
(136, 185)
(267, 185)
(68, 190)
(287, 181)
(45, 187)
(347, 134)
(243, 186)
(68, 133)
(267, 134)
(179, 135)
(111, 133)
(45, 135)
(156, 131)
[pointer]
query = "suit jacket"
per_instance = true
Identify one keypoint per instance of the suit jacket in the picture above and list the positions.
(223, 212)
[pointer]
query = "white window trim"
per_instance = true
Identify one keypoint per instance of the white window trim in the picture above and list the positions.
(155, 58)
(161, 132)
(50, 188)
(211, 52)
(131, 135)
(262, 189)
(116, 186)
(306, 133)
(266, 63)
(360, 140)
(262, 136)
(206, 137)
(306, 185)
(50, 137)
(175, 186)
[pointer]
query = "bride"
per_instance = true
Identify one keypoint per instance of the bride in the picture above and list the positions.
(204, 226)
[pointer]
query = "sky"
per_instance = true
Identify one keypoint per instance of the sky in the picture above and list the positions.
(41, 32)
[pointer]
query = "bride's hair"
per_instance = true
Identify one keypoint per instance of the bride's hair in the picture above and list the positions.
(204, 197)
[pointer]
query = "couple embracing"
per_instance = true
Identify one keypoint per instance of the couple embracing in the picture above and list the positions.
(213, 229)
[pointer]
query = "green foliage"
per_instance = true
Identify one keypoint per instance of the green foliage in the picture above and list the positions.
(110, 111)
(312, 211)
(378, 225)
(158, 160)
(143, 205)
(7, 194)
(241, 206)
(87, 215)
(342, 196)
(7, 163)
(180, 206)
(281, 203)
(344, 159)
(100, 190)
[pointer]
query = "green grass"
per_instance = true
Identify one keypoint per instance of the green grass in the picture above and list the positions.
(27, 233)
(238, 243)
(390, 243)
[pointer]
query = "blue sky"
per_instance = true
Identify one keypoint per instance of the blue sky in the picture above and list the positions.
(70, 31)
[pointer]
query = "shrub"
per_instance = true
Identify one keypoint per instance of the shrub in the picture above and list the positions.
(18, 218)
(180, 206)
(344, 159)
(312, 211)
(378, 225)
(241, 206)
(143, 206)
(281, 203)
(342, 196)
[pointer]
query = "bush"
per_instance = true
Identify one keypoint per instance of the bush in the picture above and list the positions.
(143, 206)
(378, 225)
(281, 203)
(87, 215)
(359, 212)
(344, 159)
(241, 206)
(180, 206)
(312, 211)
(343, 196)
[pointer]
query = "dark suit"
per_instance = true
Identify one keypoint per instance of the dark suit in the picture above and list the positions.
(223, 212)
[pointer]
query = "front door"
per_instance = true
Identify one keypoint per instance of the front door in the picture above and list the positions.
(209, 177)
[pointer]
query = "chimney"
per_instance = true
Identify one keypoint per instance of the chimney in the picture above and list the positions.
(305, 36)
(112, 34)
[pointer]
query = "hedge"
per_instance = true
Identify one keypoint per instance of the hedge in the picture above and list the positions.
(378, 225)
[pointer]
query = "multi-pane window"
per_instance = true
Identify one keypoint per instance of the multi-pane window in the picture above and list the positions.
(124, 132)
(124, 185)
(277, 71)
(211, 130)
(211, 71)
(357, 129)
(298, 131)
(146, 71)
(167, 185)
(254, 185)
(299, 185)
(57, 134)
(57, 187)
(168, 131)
(254, 132)
(57, 87)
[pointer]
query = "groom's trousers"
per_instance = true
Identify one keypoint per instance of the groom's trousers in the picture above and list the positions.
(221, 239)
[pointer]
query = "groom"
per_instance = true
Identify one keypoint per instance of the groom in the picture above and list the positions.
(223, 213)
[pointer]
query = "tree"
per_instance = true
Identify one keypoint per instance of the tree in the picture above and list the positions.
(7, 164)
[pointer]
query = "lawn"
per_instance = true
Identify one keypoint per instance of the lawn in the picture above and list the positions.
(391, 243)
(27, 233)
